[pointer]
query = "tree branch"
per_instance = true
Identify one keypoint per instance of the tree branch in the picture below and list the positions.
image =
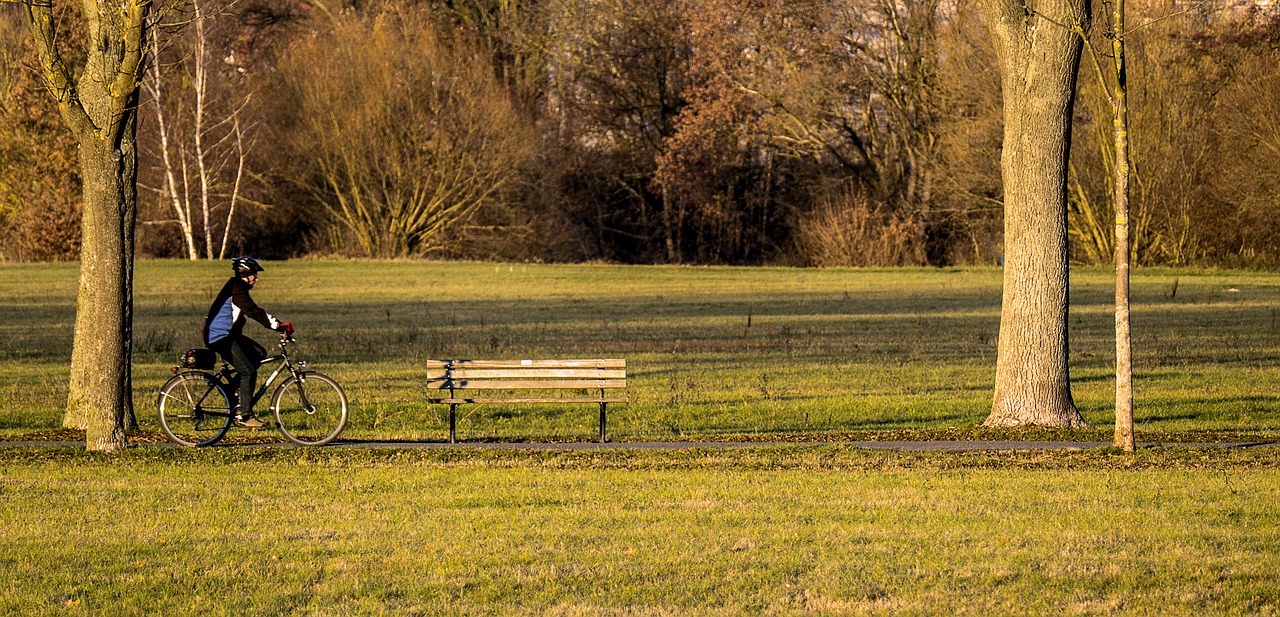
(57, 76)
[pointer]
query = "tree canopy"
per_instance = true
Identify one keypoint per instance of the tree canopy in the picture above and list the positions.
(692, 131)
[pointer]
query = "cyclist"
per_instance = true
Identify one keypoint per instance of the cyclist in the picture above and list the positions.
(223, 334)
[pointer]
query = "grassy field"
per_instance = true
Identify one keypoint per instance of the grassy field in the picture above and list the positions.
(793, 530)
(713, 352)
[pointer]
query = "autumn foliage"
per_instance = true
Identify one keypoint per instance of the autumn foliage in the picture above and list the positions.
(803, 132)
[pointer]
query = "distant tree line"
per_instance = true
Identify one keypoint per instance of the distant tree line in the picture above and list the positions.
(806, 132)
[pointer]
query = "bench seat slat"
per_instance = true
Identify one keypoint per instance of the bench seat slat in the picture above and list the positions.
(523, 373)
(515, 382)
(459, 401)
(532, 384)
(460, 364)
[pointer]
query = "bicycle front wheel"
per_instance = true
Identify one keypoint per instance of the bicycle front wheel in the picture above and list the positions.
(194, 409)
(310, 411)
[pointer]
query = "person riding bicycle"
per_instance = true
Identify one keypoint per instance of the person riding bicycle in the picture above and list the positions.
(223, 334)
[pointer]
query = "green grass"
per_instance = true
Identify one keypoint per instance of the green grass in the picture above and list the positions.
(790, 530)
(783, 530)
(713, 352)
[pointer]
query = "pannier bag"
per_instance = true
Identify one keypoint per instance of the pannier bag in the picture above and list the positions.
(199, 358)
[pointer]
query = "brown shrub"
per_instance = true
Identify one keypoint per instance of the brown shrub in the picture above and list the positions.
(847, 230)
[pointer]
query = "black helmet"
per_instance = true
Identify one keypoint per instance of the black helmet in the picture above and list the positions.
(244, 266)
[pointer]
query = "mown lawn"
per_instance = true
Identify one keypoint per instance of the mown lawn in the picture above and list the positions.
(792, 530)
(713, 352)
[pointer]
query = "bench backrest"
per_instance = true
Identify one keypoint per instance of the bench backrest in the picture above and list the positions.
(604, 374)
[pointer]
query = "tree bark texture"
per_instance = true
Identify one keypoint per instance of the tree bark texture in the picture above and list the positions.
(1039, 56)
(100, 397)
(1124, 345)
(100, 109)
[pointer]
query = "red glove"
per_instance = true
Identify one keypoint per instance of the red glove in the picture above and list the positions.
(286, 327)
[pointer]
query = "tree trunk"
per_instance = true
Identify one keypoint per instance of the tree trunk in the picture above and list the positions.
(200, 85)
(1039, 56)
(181, 208)
(1124, 345)
(100, 108)
(669, 229)
(235, 186)
(100, 397)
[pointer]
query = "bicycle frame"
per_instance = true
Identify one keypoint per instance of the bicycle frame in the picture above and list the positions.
(223, 375)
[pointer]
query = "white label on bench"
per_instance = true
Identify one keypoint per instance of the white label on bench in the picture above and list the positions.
(526, 363)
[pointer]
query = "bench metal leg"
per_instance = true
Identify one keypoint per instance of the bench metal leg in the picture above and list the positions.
(453, 423)
(602, 421)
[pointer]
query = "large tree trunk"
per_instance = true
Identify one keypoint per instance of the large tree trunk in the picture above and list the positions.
(1039, 56)
(100, 399)
(100, 108)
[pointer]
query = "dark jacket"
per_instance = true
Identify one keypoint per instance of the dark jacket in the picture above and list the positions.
(227, 313)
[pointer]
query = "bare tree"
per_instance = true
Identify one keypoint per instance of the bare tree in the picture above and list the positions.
(1039, 55)
(99, 106)
(403, 135)
(40, 189)
(619, 77)
(894, 56)
(1113, 81)
(1243, 226)
(203, 149)
(12, 37)
(1120, 116)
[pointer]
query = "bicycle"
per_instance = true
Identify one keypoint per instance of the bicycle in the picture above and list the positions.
(310, 408)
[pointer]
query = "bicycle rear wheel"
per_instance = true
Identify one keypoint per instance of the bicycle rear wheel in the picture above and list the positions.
(310, 411)
(194, 409)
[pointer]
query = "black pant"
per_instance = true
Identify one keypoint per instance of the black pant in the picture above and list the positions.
(246, 355)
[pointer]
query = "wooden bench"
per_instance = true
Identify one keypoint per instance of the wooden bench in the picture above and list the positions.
(527, 381)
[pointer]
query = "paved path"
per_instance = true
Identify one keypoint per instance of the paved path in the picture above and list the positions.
(903, 446)
(900, 446)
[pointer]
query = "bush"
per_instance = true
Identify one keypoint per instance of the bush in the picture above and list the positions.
(847, 230)
(400, 133)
